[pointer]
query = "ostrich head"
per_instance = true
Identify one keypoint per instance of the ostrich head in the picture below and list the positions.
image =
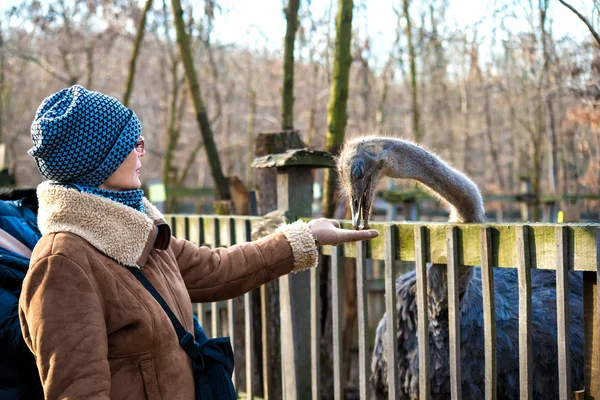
(364, 160)
(359, 169)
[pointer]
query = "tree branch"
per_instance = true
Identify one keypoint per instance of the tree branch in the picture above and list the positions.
(42, 65)
(584, 19)
(188, 163)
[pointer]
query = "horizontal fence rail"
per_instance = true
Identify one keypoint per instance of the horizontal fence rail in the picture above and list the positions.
(558, 247)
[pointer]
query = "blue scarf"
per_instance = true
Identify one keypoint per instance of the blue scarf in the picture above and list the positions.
(131, 198)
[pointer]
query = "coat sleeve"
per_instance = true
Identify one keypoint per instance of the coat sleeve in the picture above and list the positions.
(63, 324)
(225, 273)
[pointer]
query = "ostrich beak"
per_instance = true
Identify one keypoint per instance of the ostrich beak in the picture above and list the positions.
(356, 213)
(361, 207)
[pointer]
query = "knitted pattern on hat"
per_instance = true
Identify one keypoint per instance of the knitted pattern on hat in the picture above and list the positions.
(81, 136)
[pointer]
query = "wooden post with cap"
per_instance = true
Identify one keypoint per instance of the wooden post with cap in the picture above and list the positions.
(294, 195)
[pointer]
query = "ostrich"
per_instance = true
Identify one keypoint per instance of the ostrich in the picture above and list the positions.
(362, 162)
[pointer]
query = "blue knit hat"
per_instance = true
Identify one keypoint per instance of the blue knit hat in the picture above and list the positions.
(81, 136)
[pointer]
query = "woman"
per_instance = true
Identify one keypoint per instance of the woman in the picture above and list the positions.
(95, 331)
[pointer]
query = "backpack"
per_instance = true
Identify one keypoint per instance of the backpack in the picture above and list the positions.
(212, 359)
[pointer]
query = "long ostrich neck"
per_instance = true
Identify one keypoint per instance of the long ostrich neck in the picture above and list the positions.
(407, 161)
(404, 160)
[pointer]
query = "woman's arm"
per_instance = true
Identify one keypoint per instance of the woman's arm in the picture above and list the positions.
(63, 324)
(220, 274)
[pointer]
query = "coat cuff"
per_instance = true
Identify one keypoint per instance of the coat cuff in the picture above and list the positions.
(303, 244)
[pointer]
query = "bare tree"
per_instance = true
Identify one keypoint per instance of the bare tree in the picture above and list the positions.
(139, 36)
(583, 19)
(287, 92)
(416, 113)
(337, 113)
(221, 185)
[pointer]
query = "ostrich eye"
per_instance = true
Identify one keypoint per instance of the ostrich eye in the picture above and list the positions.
(358, 170)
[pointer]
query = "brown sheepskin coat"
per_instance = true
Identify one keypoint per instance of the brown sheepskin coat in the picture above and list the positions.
(95, 331)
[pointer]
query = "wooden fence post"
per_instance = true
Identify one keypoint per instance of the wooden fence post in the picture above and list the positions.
(294, 194)
(591, 314)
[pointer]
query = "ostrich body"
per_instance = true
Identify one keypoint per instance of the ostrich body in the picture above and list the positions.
(361, 164)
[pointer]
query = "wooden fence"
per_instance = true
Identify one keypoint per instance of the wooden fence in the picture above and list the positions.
(523, 246)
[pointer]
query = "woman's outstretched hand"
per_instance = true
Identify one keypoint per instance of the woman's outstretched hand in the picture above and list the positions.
(327, 232)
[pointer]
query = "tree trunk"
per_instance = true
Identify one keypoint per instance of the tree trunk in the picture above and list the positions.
(386, 74)
(551, 128)
(312, 112)
(169, 173)
(139, 36)
(365, 91)
(250, 147)
(337, 114)
(227, 147)
(552, 153)
(337, 117)
(221, 186)
(464, 110)
(89, 56)
(287, 92)
(413, 75)
(490, 137)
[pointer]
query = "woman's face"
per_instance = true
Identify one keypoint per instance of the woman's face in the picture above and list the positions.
(127, 176)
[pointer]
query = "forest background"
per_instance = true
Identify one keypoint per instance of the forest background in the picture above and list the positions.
(503, 89)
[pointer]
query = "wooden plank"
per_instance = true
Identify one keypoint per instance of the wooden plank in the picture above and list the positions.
(202, 232)
(243, 230)
(200, 310)
(562, 315)
(294, 194)
(231, 307)
(194, 230)
(590, 334)
(422, 311)
(390, 233)
(590, 328)
(200, 314)
(595, 383)
(582, 244)
(221, 230)
(215, 320)
(453, 313)
(231, 311)
(336, 313)
(361, 304)
(180, 231)
(315, 333)
(249, 339)
(525, 343)
(209, 231)
(214, 314)
(489, 314)
(296, 157)
(265, 320)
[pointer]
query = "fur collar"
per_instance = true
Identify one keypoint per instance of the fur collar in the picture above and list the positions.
(120, 232)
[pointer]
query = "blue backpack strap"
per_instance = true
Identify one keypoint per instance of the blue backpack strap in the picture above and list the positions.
(185, 338)
(219, 350)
